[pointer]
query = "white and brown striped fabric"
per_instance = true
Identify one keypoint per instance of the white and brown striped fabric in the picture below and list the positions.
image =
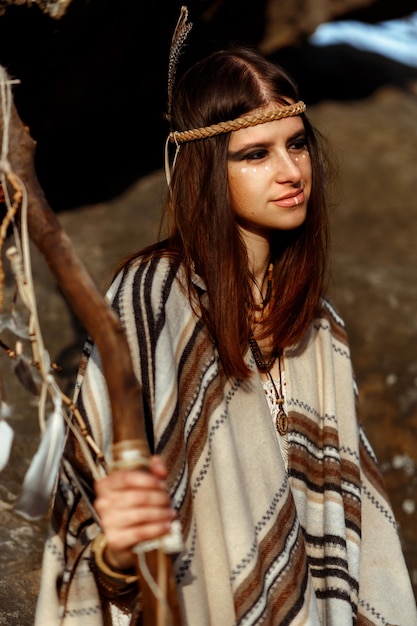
(316, 545)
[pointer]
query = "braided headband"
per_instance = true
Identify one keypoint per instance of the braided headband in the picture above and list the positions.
(240, 122)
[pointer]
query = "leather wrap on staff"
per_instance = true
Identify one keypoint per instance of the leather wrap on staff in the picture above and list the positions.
(101, 322)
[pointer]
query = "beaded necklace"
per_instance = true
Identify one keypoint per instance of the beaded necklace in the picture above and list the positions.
(261, 364)
(281, 420)
(263, 306)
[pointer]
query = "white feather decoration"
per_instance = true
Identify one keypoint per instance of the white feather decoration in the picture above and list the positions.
(6, 440)
(40, 478)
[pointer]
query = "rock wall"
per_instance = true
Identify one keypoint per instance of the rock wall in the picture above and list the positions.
(288, 22)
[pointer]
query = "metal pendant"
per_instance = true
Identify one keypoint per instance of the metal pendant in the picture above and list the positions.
(281, 422)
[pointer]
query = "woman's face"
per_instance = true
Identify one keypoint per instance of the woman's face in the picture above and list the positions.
(269, 174)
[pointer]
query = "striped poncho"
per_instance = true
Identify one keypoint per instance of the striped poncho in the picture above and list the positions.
(313, 545)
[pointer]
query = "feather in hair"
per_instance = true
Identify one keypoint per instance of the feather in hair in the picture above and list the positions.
(180, 35)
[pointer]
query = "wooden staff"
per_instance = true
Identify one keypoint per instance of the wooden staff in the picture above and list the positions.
(130, 447)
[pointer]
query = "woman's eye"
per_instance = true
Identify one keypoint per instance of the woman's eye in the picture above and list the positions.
(299, 145)
(255, 155)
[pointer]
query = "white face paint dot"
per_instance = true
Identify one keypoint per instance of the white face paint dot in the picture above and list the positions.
(244, 170)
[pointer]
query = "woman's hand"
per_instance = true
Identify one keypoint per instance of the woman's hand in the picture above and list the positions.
(133, 506)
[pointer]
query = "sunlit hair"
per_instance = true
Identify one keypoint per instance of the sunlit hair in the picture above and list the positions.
(202, 228)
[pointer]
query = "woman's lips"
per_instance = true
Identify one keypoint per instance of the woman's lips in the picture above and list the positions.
(291, 201)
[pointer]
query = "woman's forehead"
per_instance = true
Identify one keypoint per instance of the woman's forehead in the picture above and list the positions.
(263, 133)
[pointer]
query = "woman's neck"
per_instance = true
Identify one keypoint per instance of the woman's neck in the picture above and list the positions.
(259, 258)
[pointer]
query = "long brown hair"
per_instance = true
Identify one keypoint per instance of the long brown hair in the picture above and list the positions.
(201, 223)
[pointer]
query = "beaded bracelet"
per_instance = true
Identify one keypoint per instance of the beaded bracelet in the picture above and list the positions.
(112, 581)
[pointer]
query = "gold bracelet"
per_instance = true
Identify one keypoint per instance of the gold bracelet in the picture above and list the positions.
(113, 581)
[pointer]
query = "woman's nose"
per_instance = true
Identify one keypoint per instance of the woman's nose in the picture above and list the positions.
(287, 168)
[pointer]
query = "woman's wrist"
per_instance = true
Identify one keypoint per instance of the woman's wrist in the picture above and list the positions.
(119, 562)
(113, 581)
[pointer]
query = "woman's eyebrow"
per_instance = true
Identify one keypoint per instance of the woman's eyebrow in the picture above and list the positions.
(297, 135)
(236, 155)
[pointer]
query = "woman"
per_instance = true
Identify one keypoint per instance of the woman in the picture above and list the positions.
(248, 391)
